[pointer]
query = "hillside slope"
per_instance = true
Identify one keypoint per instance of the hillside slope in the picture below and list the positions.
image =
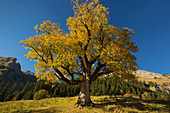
(152, 77)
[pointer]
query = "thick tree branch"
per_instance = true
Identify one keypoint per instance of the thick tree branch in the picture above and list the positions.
(98, 68)
(85, 25)
(67, 69)
(78, 73)
(61, 75)
(57, 76)
(72, 82)
(82, 63)
(101, 39)
(86, 46)
(80, 43)
(86, 60)
(99, 74)
(88, 33)
(94, 60)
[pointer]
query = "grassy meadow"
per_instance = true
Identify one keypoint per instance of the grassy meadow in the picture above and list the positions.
(103, 104)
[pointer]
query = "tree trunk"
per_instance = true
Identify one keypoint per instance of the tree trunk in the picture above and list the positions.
(84, 96)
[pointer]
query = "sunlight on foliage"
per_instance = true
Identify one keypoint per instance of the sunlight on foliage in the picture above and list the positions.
(90, 40)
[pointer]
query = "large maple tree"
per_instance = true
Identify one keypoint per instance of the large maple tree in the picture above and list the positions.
(90, 49)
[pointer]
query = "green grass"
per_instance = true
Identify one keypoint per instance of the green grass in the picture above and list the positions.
(103, 104)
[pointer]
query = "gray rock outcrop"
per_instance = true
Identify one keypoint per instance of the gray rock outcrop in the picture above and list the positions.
(10, 71)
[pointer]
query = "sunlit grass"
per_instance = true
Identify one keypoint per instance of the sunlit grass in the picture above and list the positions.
(103, 104)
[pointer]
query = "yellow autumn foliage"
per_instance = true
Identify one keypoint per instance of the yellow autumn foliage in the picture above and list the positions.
(90, 44)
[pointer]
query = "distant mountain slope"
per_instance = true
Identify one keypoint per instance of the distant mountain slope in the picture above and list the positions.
(151, 76)
(148, 76)
(162, 80)
(10, 71)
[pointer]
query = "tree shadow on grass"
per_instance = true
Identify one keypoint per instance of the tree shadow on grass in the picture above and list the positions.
(46, 110)
(133, 103)
(165, 102)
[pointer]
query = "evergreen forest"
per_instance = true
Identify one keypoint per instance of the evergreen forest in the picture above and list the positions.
(102, 86)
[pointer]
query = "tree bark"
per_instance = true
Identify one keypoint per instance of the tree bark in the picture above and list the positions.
(84, 96)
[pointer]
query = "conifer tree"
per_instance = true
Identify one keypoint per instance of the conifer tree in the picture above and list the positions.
(2, 86)
(28, 95)
(113, 89)
(138, 92)
(37, 87)
(104, 89)
(4, 91)
(20, 86)
(13, 88)
(25, 89)
(8, 97)
(133, 91)
(19, 96)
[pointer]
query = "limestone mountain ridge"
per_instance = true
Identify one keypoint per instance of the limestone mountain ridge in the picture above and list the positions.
(10, 71)
(148, 76)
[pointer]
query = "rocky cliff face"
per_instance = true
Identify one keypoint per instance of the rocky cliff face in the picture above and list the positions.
(10, 71)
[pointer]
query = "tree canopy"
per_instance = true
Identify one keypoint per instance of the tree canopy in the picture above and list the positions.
(92, 47)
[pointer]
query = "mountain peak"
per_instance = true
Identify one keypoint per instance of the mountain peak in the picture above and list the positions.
(10, 71)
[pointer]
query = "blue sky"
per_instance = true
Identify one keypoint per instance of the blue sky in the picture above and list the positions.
(150, 19)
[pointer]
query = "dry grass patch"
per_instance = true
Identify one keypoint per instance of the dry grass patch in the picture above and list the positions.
(103, 104)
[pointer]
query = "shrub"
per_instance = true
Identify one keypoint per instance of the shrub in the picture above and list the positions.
(41, 94)
(128, 95)
(163, 95)
(121, 91)
(146, 96)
